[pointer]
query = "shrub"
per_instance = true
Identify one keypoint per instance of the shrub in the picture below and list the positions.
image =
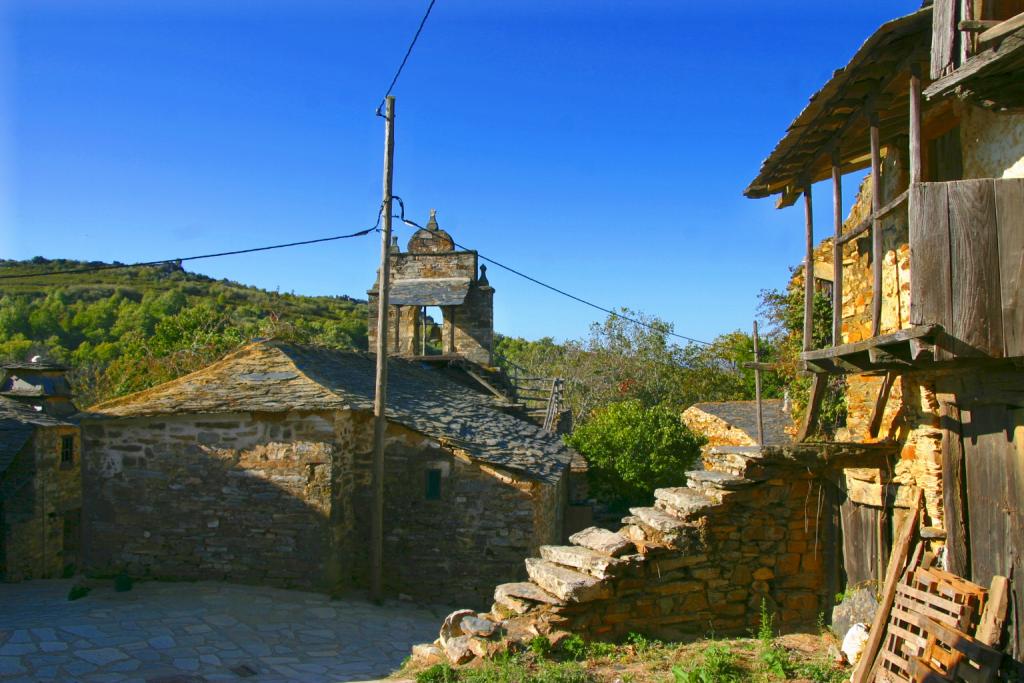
(632, 450)
(123, 583)
(77, 591)
(439, 673)
(719, 665)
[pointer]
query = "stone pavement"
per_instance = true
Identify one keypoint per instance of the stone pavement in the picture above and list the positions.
(196, 632)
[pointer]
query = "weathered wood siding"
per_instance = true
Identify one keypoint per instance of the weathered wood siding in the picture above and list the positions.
(967, 264)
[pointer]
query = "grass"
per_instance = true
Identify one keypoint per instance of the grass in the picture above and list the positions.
(762, 658)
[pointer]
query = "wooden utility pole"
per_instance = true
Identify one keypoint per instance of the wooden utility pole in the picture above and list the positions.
(380, 390)
(757, 388)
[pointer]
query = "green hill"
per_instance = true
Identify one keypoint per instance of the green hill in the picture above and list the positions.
(127, 329)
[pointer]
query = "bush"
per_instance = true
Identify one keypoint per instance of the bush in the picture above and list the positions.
(123, 583)
(439, 673)
(719, 665)
(78, 591)
(632, 450)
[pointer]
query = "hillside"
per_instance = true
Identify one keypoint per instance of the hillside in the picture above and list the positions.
(126, 329)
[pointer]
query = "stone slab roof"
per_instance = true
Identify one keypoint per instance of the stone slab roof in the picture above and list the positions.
(742, 415)
(447, 291)
(276, 376)
(17, 424)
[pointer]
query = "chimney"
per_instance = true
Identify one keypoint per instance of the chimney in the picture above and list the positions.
(40, 384)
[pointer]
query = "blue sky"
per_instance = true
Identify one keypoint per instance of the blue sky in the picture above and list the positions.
(600, 146)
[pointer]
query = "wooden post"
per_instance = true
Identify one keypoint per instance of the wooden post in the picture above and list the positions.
(381, 387)
(876, 229)
(915, 124)
(837, 252)
(808, 271)
(757, 388)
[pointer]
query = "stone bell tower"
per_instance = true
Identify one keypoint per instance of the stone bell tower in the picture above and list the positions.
(431, 272)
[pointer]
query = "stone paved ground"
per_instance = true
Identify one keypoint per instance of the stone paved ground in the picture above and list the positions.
(195, 632)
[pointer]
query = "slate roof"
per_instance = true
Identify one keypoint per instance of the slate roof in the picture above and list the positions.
(17, 423)
(836, 108)
(273, 376)
(743, 416)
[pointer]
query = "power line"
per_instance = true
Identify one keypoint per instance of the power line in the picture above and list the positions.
(534, 280)
(117, 266)
(406, 57)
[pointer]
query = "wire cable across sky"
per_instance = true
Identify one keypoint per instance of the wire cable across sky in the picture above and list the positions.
(406, 57)
(534, 280)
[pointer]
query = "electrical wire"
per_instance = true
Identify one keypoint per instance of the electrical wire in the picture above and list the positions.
(534, 280)
(406, 57)
(118, 266)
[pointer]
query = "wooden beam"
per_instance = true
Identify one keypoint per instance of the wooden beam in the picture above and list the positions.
(953, 490)
(808, 271)
(897, 562)
(878, 411)
(976, 25)
(1001, 29)
(837, 251)
(876, 229)
(818, 385)
(980, 62)
(757, 389)
(915, 124)
(993, 617)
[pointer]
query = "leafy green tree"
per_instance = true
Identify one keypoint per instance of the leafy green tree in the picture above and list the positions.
(633, 449)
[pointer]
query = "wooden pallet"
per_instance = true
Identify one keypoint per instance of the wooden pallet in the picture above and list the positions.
(924, 595)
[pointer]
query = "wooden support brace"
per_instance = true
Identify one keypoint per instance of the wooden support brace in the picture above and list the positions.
(897, 563)
(818, 385)
(880, 402)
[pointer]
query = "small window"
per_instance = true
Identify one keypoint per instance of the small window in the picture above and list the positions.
(433, 485)
(67, 450)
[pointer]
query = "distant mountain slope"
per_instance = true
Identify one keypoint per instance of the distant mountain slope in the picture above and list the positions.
(130, 328)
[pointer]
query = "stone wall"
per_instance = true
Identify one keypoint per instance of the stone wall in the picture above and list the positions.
(239, 496)
(703, 559)
(41, 527)
(474, 325)
(284, 499)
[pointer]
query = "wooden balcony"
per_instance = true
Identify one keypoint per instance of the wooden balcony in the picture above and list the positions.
(966, 282)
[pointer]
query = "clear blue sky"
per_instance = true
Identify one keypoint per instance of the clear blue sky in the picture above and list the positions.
(601, 146)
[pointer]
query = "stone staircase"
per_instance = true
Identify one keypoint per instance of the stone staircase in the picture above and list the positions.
(701, 558)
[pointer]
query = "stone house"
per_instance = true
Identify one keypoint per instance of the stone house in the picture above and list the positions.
(257, 469)
(40, 474)
(734, 423)
(927, 275)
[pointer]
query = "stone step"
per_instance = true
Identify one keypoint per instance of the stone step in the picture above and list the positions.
(602, 541)
(659, 520)
(682, 501)
(566, 584)
(582, 559)
(709, 479)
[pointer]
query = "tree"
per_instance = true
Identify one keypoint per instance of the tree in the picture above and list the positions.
(633, 449)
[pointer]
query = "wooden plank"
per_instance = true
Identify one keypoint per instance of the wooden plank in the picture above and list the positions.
(1001, 30)
(915, 125)
(944, 22)
(930, 293)
(993, 618)
(977, 64)
(878, 410)
(1010, 218)
(953, 491)
(977, 324)
(859, 524)
(897, 561)
(818, 386)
